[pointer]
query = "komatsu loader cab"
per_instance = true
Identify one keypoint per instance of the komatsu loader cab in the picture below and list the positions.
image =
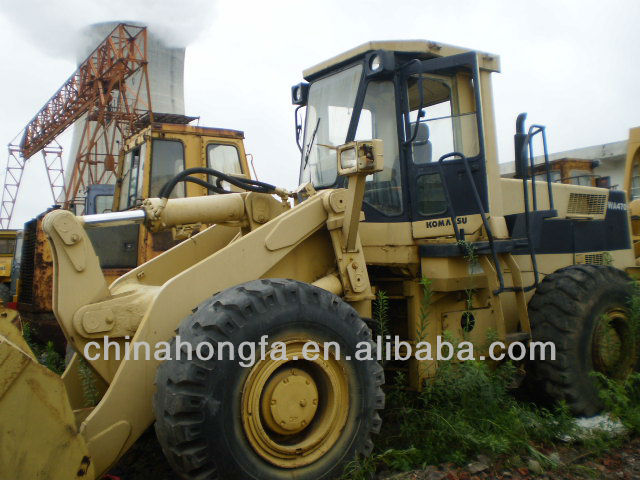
(424, 100)
(440, 210)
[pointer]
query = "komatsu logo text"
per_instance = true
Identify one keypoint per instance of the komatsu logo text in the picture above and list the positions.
(445, 222)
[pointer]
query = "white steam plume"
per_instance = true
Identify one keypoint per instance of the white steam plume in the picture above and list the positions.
(54, 26)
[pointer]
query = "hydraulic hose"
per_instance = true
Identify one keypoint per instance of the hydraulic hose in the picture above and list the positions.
(244, 183)
(202, 183)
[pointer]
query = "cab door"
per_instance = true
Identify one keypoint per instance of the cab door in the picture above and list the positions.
(442, 115)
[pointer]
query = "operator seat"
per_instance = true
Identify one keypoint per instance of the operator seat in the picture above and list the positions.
(422, 148)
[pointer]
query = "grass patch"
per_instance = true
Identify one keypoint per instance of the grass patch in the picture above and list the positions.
(88, 381)
(622, 399)
(381, 318)
(46, 354)
(50, 358)
(466, 410)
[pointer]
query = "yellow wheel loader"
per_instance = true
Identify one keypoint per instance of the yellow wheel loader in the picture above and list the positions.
(399, 182)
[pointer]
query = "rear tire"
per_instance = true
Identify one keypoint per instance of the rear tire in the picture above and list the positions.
(584, 310)
(217, 419)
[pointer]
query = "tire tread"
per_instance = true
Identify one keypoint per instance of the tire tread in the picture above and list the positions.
(180, 384)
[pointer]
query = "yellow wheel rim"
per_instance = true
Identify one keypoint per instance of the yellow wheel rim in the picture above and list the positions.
(294, 410)
(612, 348)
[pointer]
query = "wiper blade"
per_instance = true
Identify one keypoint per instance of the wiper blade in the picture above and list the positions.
(313, 139)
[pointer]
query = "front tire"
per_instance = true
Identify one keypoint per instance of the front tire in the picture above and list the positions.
(275, 419)
(585, 311)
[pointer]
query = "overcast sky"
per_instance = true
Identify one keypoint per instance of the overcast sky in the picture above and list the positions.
(573, 65)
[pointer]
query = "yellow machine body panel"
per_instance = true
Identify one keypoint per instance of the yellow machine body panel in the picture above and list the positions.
(38, 432)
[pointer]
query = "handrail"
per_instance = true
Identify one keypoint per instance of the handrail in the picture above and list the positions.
(476, 196)
(526, 165)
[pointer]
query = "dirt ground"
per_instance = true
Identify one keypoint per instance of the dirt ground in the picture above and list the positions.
(143, 462)
(574, 463)
(146, 461)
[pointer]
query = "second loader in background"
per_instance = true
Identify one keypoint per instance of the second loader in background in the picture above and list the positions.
(149, 159)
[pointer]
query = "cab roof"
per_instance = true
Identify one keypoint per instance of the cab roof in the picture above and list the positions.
(173, 122)
(423, 49)
(157, 129)
(197, 130)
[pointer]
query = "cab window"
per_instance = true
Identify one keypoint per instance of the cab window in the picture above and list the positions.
(103, 203)
(383, 190)
(431, 196)
(224, 158)
(438, 124)
(167, 160)
(635, 187)
(7, 246)
(445, 126)
(131, 188)
(328, 116)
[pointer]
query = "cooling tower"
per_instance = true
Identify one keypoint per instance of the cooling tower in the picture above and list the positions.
(165, 71)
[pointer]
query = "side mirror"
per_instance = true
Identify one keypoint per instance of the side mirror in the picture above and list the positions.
(360, 157)
(299, 97)
(298, 127)
(300, 93)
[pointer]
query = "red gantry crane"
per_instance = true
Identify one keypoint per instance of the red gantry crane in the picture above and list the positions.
(111, 90)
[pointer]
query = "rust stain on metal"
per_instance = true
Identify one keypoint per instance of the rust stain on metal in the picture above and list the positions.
(43, 275)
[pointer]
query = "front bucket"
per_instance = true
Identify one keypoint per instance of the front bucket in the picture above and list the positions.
(38, 434)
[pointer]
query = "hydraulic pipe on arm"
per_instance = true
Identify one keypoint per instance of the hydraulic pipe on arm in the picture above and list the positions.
(158, 215)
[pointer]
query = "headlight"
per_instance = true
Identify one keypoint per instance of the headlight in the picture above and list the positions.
(360, 157)
(379, 63)
(348, 159)
(375, 63)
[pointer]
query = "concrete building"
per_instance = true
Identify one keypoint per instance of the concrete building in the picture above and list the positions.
(598, 165)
